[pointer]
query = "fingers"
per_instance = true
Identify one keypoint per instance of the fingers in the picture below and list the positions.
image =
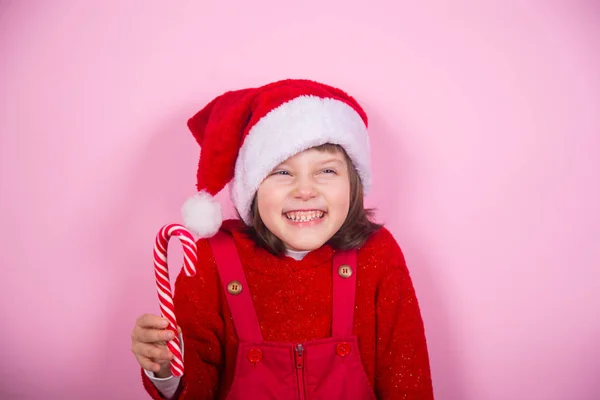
(151, 357)
(148, 342)
(159, 354)
(151, 321)
(148, 364)
(150, 328)
(152, 335)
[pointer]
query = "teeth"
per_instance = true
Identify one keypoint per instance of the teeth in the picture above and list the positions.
(304, 216)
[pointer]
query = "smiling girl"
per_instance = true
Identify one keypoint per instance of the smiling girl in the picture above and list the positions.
(303, 296)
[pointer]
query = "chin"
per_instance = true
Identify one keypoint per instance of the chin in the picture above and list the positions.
(304, 245)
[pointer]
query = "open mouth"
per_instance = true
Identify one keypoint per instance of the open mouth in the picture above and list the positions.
(304, 216)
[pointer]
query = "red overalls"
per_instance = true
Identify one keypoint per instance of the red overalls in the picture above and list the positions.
(319, 369)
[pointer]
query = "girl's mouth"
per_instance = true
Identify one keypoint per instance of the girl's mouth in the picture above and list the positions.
(304, 215)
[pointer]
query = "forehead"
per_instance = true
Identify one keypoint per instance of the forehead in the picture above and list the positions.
(315, 154)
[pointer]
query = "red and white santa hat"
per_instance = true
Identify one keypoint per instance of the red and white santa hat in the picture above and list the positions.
(244, 134)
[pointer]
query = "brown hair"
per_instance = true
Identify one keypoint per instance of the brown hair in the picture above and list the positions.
(355, 230)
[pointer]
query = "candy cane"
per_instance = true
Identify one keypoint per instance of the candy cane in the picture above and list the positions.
(163, 284)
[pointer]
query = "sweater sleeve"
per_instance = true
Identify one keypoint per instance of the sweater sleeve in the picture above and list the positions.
(166, 386)
(199, 313)
(402, 369)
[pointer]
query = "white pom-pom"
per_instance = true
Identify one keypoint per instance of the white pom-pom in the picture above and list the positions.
(202, 215)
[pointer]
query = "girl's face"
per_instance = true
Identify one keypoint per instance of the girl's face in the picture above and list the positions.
(305, 200)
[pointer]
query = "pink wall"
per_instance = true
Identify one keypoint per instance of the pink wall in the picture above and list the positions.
(485, 125)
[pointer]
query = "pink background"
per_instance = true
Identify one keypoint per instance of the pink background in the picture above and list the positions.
(485, 124)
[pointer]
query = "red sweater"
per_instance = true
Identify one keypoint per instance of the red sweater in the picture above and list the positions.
(293, 302)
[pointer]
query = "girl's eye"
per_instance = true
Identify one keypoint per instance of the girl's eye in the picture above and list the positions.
(281, 173)
(329, 171)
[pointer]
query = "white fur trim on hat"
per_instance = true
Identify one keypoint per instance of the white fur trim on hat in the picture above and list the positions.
(202, 214)
(291, 128)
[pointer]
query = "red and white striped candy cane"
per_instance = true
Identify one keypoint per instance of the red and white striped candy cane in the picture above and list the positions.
(163, 285)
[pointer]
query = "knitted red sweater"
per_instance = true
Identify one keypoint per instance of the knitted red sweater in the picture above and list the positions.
(293, 301)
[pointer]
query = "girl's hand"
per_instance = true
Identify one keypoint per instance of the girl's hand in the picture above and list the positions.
(148, 344)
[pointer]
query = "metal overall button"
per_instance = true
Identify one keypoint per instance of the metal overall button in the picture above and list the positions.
(234, 287)
(345, 271)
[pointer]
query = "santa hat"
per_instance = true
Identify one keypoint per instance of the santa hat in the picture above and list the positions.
(244, 134)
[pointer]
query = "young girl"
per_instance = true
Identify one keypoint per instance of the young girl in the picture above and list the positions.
(303, 297)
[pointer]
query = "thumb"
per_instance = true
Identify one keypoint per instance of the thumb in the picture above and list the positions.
(179, 330)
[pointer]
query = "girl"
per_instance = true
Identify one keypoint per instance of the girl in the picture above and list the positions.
(303, 297)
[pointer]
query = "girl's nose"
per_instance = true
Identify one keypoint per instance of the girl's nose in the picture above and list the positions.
(305, 190)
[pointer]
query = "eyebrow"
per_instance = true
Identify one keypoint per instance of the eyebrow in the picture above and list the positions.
(332, 160)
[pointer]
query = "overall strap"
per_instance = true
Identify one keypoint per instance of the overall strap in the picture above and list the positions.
(236, 288)
(344, 292)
